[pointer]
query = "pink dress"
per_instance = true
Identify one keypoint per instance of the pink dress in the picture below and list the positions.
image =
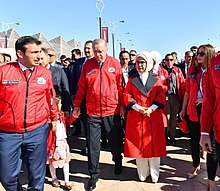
(58, 148)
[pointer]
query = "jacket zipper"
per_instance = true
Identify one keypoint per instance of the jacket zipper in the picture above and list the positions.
(25, 107)
(101, 88)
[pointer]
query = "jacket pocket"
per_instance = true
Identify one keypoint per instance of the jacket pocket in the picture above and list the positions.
(41, 112)
(7, 116)
(111, 95)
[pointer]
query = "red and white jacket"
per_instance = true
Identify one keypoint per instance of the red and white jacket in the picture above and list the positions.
(25, 104)
(210, 115)
(102, 87)
(192, 88)
(180, 82)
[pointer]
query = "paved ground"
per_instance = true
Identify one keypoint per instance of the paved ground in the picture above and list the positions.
(173, 172)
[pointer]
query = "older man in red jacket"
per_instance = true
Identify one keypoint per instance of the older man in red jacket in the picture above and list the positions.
(101, 83)
(26, 102)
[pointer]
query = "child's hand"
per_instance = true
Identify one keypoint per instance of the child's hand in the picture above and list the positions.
(54, 125)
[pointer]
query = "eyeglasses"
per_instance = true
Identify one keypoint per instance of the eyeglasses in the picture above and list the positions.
(167, 59)
(50, 55)
(200, 54)
(132, 54)
(140, 62)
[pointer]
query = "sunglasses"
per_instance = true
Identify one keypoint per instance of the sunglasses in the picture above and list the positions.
(140, 62)
(50, 55)
(200, 54)
(132, 54)
(167, 59)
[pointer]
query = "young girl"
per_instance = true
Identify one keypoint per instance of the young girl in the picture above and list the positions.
(58, 148)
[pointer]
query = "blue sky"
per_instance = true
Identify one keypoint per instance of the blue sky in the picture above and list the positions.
(163, 25)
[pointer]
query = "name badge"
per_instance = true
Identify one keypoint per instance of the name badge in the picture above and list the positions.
(191, 76)
(217, 67)
(13, 82)
(41, 80)
(92, 72)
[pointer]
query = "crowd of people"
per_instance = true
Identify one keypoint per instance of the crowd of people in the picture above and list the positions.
(131, 106)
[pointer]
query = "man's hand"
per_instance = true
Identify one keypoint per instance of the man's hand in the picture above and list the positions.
(76, 112)
(198, 101)
(205, 143)
(54, 125)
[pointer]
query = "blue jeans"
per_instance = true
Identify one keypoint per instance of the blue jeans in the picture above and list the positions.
(33, 145)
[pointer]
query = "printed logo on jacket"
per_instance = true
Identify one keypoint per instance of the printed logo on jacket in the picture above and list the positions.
(41, 80)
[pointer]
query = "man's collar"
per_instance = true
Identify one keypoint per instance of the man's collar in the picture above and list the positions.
(23, 68)
(48, 66)
(103, 59)
(53, 63)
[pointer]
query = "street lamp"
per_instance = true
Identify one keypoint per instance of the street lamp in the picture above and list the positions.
(5, 27)
(100, 6)
(112, 26)
(120, 41)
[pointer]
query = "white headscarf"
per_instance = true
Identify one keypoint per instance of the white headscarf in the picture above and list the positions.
(148, 58)
(158, 59)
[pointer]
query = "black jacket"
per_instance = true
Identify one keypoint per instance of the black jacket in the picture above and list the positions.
(75, 70)
(61, 86)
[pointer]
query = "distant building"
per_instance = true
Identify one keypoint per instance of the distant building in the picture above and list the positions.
(58, 43)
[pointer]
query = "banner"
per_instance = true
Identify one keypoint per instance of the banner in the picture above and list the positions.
(105, 33)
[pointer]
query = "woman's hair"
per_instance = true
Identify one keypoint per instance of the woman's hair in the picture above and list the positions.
(195, 63)
(209, 51)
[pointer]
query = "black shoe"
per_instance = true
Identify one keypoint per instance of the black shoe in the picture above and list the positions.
(172, 140)
(91, 184)
(104, 145)
(76, 132)
(84, 151)
(118, 169)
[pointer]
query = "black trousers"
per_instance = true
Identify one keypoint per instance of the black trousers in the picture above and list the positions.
(111, 124)
(194, 132)
(81, 121)
(217, 150)
(211, 160)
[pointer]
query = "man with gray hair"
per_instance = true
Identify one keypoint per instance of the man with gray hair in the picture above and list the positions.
(101, 83)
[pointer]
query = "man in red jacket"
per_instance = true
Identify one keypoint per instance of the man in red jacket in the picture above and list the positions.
(26, 102)
(101, 83)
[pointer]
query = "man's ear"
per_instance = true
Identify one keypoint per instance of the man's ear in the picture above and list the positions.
(20, 54)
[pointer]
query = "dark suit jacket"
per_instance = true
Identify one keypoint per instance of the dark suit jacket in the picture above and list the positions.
(182, 67)
(61, 86)
(74, 70)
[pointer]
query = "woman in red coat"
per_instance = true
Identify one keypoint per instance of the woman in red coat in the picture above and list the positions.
(144, 138)
(192, 105)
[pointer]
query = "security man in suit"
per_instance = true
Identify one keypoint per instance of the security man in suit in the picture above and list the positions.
(184, 66)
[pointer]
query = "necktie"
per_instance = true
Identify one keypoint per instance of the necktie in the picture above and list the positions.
(27, 73)
(100, 64)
